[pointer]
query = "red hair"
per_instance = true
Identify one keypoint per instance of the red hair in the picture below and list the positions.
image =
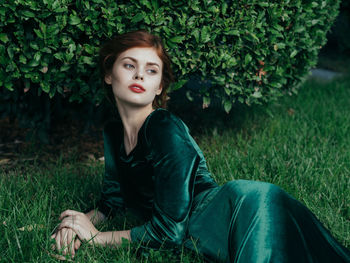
(141, 38)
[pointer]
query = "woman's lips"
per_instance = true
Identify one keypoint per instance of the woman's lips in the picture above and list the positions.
(136, 88)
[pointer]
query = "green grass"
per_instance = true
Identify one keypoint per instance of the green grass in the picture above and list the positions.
(300, 143)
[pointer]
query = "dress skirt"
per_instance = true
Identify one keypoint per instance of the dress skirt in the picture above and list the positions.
(248, 221)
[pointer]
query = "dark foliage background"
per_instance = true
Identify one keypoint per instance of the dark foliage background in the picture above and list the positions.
(338, 37)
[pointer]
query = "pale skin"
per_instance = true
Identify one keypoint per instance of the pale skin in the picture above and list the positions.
(137, 66)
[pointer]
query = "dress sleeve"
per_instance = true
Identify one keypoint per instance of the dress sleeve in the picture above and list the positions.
(111, 200)
(175, 161)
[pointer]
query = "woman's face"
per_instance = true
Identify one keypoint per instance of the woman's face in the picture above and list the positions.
(136, 77)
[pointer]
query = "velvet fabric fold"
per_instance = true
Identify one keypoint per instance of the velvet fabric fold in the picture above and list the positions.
(165, 180)
(248, 221)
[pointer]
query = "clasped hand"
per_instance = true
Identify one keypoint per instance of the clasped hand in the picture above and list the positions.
(74, 224)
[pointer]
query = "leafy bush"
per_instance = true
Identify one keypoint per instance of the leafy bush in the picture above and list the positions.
(249, 51)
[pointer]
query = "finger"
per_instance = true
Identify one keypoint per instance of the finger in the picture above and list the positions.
(67, 224)
(53, 247)
(77, 244)
(68, 213)
(64, 246)
(58, 241)
(73, 226)
(53, 236)
(70, 240)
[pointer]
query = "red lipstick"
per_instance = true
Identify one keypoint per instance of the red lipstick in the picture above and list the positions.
(136, 88)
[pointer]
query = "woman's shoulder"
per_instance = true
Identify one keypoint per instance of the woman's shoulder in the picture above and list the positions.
(162, 121)
(165, 128)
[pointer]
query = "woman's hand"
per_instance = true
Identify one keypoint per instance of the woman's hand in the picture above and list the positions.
(80, 224)
(66, 241)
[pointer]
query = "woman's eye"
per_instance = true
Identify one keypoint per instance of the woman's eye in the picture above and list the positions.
(128, 66)
(152, 71)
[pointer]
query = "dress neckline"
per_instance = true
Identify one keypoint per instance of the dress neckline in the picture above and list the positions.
(122, 145)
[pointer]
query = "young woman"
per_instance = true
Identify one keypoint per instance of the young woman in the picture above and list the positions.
(154, 168)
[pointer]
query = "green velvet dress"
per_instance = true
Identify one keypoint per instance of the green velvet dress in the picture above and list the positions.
(165, 181)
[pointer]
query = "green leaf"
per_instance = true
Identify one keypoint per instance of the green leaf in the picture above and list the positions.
(81, 27)
(65, 67)
(59, 56)
(155, 5)
(189, 96)
(195, 33)
(34, 45)
(46, 50)
(299, 29)
(314, 4)
(177, 39)
(179, 84)
(43, 28)
(2, 12)
(171, 44)
(281, 45)
(232, 62)
(74, 20)
(10, 52)
(224, 8)
(227, 90)
(45, 87)
(146, 3)
(232, 32)
(4, 38)
(205, 36)
(53, 30)
(9, 86)
(87, 4)
(293, 54)
(22, 59)
(52, 92)
(247, 59)
(37, 56)
(33, 63)
(137, 18)
(227, 106)
(263, 4)
(38, 33)
(257, 94)
(69, 56)
(89, 49)
(254, 37)
(87, 60)
(28, 14)
(61, 10)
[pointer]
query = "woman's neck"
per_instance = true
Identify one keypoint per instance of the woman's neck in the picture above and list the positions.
(133, 119)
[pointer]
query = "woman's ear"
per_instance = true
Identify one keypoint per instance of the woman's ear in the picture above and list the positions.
(159, 91)
(108, 79)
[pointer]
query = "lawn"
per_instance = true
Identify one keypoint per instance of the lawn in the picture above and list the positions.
(300, 143)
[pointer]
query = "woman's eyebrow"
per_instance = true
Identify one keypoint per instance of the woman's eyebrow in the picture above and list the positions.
(148, 63)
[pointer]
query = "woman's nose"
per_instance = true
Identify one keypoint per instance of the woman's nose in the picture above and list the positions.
(138, 75)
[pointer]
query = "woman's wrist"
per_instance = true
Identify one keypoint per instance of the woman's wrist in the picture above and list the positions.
(111, 238)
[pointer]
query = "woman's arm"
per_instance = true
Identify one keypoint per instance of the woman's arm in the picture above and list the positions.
(112, 238)
(80, 223)
(175, 162)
